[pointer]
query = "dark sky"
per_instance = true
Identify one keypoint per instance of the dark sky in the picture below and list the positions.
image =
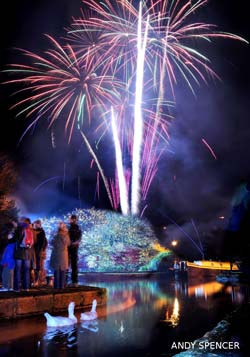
(190, 183)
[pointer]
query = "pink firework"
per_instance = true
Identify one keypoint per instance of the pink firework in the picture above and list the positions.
(59, 83)
(82, 76)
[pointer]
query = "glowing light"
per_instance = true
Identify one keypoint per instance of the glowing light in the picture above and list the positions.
(62, 86)
(128, 303)
(119, 165)
(205, 289)
(46, 181)
(174, 243)
(209, 148)
(98, 165)
(73, 80)
(160, 248)
(213, 265)
(175, 316)
(112, 242)
(138, 121)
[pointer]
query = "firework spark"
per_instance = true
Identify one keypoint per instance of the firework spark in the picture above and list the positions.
(98, 165)
(172, 41)
(46, 181)
(117, 40)
(138, 120)
(61, 84)
(119, 165)
(171, 49)
(209, 148)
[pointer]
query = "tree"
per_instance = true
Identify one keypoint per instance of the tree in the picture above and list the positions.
(8, 177)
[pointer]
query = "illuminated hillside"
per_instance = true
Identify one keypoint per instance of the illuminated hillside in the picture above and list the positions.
(112, 242)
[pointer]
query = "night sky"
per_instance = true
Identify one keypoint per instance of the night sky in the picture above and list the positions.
(190, 183)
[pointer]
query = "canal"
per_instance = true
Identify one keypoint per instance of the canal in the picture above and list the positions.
(143, 317)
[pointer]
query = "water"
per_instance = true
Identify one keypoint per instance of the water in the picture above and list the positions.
(142, 318)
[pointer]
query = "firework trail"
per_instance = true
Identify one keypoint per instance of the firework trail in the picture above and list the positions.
(87, 43)
(46, 181)
(142, 212)
(64, 175)
(119, 166)
(115, 191)
(79, 190)
(99, 167)
(149, 161)
(198, 236)
(138, 120)
(209, 148)
(187, 235)
(97, 191)
(53, 139)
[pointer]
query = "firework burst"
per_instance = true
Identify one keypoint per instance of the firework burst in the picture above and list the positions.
(172, 34)
(127, 57)
(63, 86)
(172, 39)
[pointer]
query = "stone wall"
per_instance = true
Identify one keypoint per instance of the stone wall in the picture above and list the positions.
(15, 305)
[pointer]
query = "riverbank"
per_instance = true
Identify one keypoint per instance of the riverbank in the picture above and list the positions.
(36, 301)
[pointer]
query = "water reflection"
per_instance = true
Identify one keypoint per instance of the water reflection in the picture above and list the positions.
(173, 319)
(205, 290)
(90, 325)
(141, 317)
(66, 333)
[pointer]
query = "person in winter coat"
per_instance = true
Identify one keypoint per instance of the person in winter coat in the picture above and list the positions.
(59, 261)
(40, 252)
(24, 237)
(4, 241)
(8, 261)
(75, 235)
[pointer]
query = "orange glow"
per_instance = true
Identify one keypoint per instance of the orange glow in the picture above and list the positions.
(205, 289)
(213, 265)
(127, 304)
(160, 303)
(174, 318)
(160, 248)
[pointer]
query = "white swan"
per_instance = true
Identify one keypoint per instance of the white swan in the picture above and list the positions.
(56, 321)
(90, 315)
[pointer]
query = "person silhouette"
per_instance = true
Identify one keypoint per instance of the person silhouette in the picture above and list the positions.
(75, 235)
